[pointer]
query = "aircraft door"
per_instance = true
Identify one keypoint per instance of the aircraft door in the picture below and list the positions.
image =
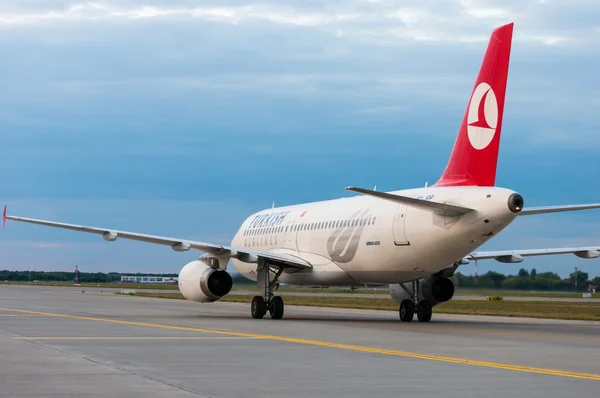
(399, 227)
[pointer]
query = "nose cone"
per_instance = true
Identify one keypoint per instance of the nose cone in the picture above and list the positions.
(515, 203)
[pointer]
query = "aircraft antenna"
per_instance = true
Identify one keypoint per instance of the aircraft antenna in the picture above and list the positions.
(273, 205)
(426, 182)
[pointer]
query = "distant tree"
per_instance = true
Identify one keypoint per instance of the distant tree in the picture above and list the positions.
(523, 272)
(518, 283)
(548, 275)
(463, 280)
(496, 278)
(581, 278)
(533, 273)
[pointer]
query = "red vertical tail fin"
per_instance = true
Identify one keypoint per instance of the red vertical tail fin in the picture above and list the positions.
(475, 154)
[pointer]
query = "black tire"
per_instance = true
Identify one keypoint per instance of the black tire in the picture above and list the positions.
(424, 311)
(406, 311)
(276, 307)
(258, 308)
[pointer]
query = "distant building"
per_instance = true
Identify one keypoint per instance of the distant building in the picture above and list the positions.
(148, 279)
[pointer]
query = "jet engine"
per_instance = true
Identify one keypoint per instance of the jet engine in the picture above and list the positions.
(201, 283)
(435, 289)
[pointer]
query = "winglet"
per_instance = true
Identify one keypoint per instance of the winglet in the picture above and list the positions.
(4, 218)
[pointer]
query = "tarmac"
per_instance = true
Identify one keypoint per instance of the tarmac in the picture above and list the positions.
(377, 294)
(57, 342)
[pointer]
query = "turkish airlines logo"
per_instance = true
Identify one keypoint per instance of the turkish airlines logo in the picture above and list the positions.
(482, 118)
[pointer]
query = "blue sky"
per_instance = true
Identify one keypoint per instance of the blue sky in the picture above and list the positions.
(182, 117)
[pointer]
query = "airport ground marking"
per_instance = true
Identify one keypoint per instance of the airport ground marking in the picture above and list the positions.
(131, 338)
(371, 350)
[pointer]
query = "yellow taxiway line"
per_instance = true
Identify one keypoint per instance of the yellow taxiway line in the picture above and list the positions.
(517, 368)
(131, 338)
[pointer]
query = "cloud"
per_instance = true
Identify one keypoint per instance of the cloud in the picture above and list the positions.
(379, 22)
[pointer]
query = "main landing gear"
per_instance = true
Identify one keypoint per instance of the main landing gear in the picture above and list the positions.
(423, 308)
(270, 303)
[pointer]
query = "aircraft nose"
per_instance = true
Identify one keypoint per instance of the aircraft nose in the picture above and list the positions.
(515, 203)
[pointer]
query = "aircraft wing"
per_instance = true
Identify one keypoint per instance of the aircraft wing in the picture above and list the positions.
(557, 209)
(516, 256)
(177, 244)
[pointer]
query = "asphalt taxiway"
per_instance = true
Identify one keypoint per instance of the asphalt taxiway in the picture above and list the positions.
(57, 342)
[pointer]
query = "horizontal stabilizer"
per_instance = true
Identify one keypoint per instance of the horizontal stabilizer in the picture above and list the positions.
(440, 208)
(557, 209)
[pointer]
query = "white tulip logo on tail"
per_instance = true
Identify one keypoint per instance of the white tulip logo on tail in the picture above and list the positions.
(483, 116)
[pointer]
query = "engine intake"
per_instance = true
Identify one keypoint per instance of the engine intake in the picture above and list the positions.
(201, 283)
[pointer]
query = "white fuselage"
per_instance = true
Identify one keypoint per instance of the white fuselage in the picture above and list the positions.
(365, 240)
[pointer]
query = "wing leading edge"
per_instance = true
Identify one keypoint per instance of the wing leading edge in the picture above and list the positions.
(516, 256)
(177, 244)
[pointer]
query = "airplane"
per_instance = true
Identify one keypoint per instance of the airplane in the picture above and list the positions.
(409, 240)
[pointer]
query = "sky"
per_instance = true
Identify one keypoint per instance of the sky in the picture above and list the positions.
(180, 118)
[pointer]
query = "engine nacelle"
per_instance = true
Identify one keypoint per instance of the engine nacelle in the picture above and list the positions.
(435, 289)
(201, 283)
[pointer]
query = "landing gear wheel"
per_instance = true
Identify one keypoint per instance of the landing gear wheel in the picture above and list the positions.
(424, 311)
(407, 310)
(276, 309)
(258, 307)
